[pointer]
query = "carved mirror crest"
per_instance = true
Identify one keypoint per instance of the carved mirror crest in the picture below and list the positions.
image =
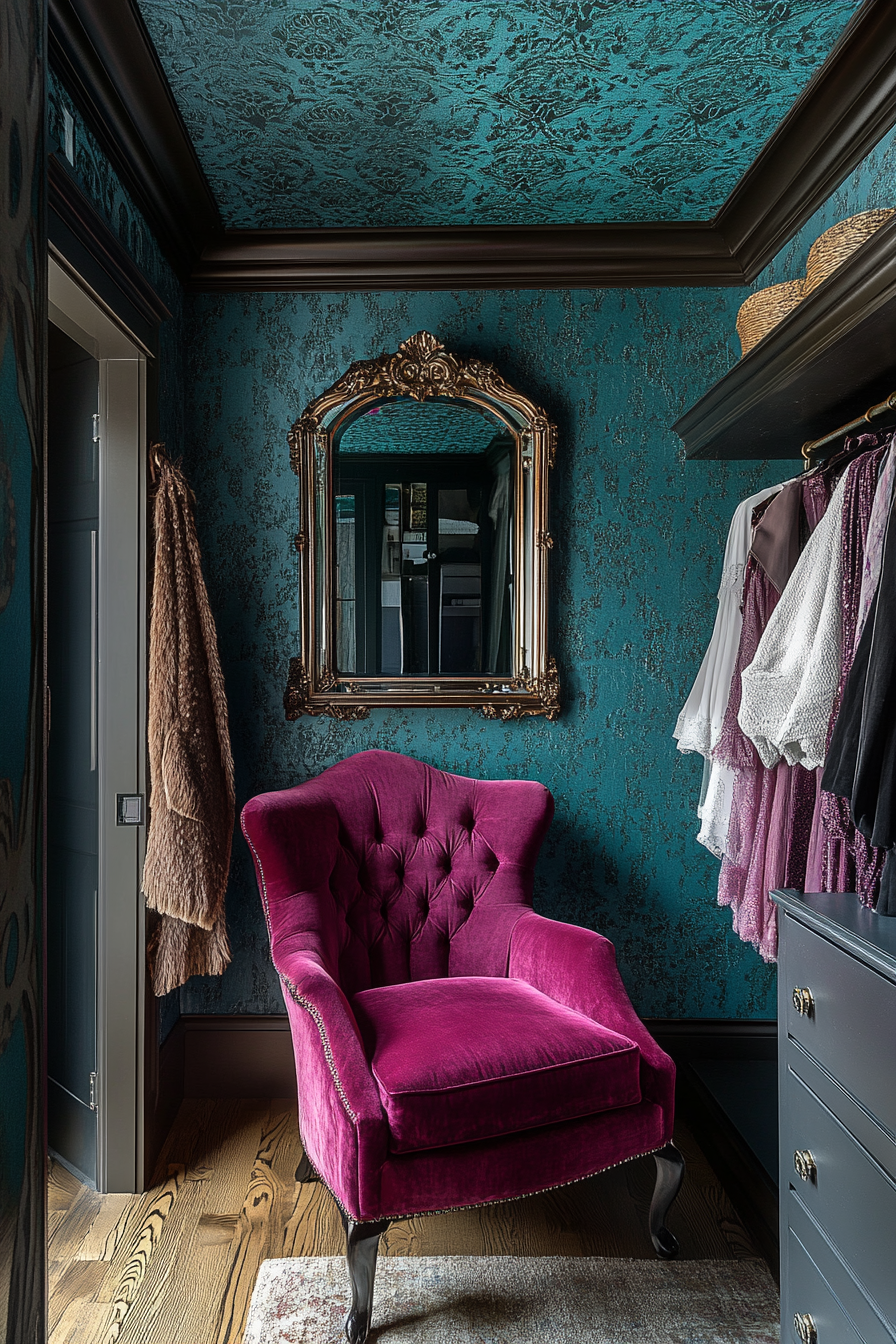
(423, 541)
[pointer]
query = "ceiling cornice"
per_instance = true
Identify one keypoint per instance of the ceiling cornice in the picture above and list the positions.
(846, 107)
(495, 257)
(104, 56)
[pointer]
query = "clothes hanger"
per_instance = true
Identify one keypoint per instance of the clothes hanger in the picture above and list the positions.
(812, 445)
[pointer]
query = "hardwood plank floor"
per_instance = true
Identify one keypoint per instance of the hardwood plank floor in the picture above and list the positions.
(177, 1264)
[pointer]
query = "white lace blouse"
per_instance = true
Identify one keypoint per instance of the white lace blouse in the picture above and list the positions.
(700, 721)
(789, 688)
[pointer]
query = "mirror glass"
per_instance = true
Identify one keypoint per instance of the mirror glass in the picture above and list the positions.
(423, 541)
(423, 511)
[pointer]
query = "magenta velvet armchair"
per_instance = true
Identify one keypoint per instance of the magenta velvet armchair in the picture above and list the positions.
(452, 1047)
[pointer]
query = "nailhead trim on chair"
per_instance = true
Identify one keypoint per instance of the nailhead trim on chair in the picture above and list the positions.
(324, 1039)
(298, 998)
(505, 1199)
(264, 889)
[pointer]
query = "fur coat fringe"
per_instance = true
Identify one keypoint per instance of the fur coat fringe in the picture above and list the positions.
(190, 763)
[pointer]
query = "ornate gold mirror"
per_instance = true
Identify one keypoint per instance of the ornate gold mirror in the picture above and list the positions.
(423, 541)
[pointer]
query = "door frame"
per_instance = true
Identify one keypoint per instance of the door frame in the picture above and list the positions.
(121, 720)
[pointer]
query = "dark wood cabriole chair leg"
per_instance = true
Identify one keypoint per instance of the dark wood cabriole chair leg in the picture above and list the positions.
(669, 1176)
(362, 1241)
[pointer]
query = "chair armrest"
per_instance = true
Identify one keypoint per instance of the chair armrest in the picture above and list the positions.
(577, 967)
(340, 1114)
(313, 989)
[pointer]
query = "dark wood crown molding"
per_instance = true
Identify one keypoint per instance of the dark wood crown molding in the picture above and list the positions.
(82, 237)
(499, 257)
(839, 117)
(106, 59)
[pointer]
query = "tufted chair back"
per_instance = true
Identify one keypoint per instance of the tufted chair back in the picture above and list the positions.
(387, 870)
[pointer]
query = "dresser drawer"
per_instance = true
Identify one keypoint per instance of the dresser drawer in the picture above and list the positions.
(808, 1255)
(809, 1295)
(848, 1194)
(851, 1025)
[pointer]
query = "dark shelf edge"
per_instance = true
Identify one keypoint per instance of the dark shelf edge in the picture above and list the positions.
(823, 323)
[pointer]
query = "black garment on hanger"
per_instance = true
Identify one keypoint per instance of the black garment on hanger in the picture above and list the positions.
(861, 760)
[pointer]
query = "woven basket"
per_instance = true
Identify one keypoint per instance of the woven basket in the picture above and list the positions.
(762, 311)
(836, 244)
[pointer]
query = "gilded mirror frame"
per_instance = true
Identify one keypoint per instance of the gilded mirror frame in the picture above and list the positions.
(424, 370)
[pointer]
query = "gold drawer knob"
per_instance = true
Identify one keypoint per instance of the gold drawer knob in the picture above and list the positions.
(803, 1001)
(804, 1326)
(804, 1164)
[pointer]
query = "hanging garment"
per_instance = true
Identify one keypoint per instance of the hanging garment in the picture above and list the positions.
(776, 538)
(191, 768)
(771, 810)
(700, 721)
(874, 542)
(788, 690)
(848, 861)
(861, 765)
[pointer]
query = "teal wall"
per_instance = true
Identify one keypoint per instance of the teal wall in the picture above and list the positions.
(639, 536)
(22, 313)
(634, 575)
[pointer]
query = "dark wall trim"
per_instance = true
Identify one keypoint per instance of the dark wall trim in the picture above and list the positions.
(230, 1056)
(691, 1038)
(499, 257)
(105, 58)
(251, 1056)
(841, 114)
(83, 240)
(747, 1183)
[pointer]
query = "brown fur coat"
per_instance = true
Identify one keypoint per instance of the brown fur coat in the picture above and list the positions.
(190, 764)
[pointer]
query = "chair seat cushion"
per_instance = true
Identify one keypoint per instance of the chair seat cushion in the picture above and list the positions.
(474, 1057)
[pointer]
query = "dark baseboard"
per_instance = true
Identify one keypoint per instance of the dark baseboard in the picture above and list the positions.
(243, 1055)
(746, 1181)
(237, 1055)
(208, 1055)
(688, 1038)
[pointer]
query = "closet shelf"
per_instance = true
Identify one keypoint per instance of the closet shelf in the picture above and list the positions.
(832, 356)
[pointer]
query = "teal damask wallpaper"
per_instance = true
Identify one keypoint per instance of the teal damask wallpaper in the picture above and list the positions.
(324, 112)
(635, 568)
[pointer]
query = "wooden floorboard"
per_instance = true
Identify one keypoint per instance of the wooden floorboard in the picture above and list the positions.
(177, 1264)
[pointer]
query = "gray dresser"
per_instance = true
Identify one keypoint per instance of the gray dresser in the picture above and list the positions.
(837, 1043)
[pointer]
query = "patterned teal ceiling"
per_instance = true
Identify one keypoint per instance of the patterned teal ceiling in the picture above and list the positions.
(376, 112)
(405, 426)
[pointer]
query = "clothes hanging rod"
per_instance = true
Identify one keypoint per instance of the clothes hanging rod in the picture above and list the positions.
(813, 445)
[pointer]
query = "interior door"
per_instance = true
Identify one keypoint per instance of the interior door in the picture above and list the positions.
(72, 792)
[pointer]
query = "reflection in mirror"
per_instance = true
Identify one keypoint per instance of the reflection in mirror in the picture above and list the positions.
(423, 521)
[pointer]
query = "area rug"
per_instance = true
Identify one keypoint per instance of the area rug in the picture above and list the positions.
(517, 1300)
